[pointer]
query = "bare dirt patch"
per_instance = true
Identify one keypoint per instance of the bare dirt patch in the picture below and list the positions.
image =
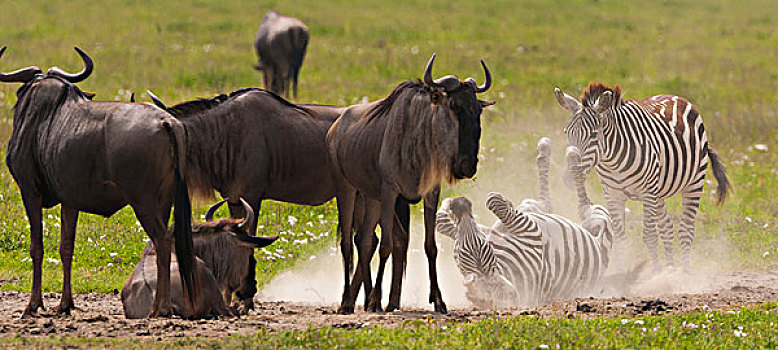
(100, 315)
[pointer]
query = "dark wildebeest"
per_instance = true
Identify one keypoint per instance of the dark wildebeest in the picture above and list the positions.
(97, 157)
(256, 145)
(222, 248)
(402, 146)
(280, 43)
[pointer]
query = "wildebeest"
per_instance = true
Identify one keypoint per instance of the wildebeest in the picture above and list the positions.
(402, 146)
(280, 43)
(256, 145)
(529, 256)
(97, 157)
(222, 248)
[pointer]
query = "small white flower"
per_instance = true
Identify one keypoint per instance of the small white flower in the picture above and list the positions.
(110, 264)
(624, 321)
(640, 322)
(761, 147)
(312, 257)
(321, 216)
(113, 254)
(542, 346)
(310, 224)
(292, 220)
(53, 261)
(765, 254)
(748, 219)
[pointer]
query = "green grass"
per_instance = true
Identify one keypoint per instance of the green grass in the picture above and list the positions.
(745, 328)
(719, 54)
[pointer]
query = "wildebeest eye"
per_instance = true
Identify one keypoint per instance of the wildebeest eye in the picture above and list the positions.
(436, 97)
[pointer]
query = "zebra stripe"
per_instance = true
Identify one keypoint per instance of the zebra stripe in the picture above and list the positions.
(529, 256)
(648, 151)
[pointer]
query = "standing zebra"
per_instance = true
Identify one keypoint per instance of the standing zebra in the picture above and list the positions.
(529, 257)
(646, 151)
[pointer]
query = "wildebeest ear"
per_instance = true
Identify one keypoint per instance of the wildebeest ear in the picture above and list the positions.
(485, 104)
(256, 242)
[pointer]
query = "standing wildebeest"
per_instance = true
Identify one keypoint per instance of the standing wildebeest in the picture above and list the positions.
(97, 157)
(647, 150)
(256, 145)
(222, 248)
(280, 43)
(402, 146)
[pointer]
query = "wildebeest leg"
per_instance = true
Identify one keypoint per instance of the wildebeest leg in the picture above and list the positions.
(388, 199)
(248, 288)
(431, 248)
(345, 201)
(367, 242)
(155, 227)
(32, 205)
(400, 251)
(67, 241)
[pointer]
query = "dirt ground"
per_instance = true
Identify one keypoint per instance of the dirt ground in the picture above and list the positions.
(100, 315)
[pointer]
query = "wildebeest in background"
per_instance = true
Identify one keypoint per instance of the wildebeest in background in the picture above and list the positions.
(256, 145)
(97, 157)
(403, 145)
(280, 43)
(222, 248)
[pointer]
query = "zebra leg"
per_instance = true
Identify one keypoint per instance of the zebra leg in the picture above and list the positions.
(650, 205)
(622, 247)
(690, 201)
(666, 232)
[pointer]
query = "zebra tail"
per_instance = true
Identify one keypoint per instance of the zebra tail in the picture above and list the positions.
(720, 173)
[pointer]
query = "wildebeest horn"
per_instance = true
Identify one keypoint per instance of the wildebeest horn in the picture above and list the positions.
(78, 77)
(488, 83)
(249, 214)
(156, 100)
(19, 76)
(212, 210)
(448, 83)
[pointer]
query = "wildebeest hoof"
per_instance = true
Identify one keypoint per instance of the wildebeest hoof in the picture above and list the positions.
(32, 310)
(441, 308)
(64, 309)
(390, 307)
(346, 310)
(161, 313)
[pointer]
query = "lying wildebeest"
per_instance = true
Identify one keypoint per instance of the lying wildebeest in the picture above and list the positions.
(530, 256)
(401, 146)
(222, 248)
(649, 151)
(97, 157)
(281, 150)
(280, 43)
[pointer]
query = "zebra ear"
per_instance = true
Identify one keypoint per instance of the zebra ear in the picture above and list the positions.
(566, 101)
(604, 102)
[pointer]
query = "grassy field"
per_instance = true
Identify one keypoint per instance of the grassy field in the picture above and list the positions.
(719, 54)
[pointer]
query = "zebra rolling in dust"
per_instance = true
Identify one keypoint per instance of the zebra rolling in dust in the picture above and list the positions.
(529, 256)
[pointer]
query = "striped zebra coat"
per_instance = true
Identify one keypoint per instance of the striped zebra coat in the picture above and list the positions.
(528, 256)
(648, 151)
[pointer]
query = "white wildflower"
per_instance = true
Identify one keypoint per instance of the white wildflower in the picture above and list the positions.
(740, 334)
(321, 216)
(640, 322)
(765, 254)
(761, 147)
(292, 220)
(113, 254)
(53, 261)
(624, 321)
(542, 346)
(312, 257)
(748, 219)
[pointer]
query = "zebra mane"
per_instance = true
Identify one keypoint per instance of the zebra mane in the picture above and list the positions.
(595, 90)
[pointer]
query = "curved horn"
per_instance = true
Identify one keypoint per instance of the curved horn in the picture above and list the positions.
(21, 75)
(488, 83)
(249, 214)
(156, 100)
(428, 72)
(212, 210)
(78, 77)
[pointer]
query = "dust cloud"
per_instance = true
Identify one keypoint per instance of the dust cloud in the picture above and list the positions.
(513, 172)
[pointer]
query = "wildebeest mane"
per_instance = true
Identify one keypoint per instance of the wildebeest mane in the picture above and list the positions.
(383, 107)
(194, 107)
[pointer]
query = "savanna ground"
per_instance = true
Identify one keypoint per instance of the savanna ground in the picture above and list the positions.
(719, 54)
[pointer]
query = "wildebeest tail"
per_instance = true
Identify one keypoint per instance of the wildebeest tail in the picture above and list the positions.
(182, 226)
(720, 173)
